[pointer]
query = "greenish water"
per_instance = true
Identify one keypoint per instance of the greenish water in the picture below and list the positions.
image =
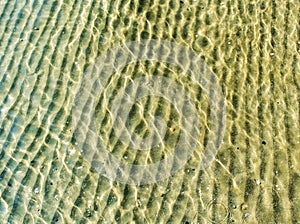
(252, 49)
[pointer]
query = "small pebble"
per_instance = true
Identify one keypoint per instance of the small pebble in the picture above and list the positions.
(244, 207)
(36, 190)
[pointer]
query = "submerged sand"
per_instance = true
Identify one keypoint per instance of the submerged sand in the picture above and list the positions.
(253, 49)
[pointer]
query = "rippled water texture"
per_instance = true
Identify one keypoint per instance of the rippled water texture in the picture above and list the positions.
(49, 48)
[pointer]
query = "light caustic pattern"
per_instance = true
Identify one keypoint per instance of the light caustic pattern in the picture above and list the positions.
(49, 76)
(96, 79)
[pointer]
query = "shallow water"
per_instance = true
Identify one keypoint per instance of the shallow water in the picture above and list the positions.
(48, 52)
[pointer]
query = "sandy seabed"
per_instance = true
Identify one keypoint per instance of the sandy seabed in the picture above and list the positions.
(252, 48)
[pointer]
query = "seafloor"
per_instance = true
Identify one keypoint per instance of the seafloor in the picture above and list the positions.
(253, 49)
